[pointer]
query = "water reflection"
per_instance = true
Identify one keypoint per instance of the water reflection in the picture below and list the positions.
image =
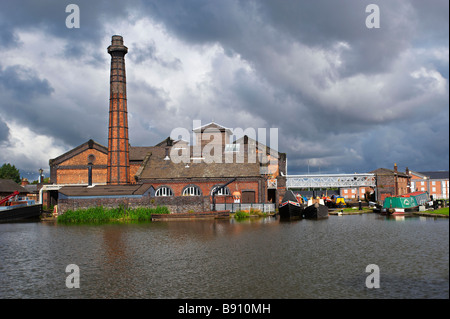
(252, 258)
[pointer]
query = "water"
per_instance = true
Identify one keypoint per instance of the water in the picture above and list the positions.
(262, 258)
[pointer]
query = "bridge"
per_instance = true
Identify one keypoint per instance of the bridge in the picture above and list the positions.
(331, 181)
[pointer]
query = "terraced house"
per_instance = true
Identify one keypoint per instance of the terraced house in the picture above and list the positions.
(436, 183)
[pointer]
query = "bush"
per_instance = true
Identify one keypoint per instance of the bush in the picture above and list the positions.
(241, 214)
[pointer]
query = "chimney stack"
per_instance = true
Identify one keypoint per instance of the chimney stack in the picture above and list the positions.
(118, 171)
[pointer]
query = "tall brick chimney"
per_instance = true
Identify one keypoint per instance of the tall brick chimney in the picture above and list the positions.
(118, 172)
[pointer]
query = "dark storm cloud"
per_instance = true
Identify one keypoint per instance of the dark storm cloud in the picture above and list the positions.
(50, 16)
(27, 99)
(342, 95)
(23, 82)
(239, 25)
(4, 131)
(148, 52)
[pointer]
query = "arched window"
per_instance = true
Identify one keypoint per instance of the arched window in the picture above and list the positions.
(91, 159)
(164, 191)
(192, 190)
(222, 191)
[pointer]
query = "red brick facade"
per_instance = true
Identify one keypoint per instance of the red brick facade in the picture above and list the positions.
(121, 164)
(118, 164)
(435, 183)
(392, 182)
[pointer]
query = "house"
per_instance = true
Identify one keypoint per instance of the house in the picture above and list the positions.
(436, 183)
(392, 182)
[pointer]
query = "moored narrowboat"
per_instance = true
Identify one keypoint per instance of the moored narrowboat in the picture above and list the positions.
(290, 206)
(316, 209)
(404, 204)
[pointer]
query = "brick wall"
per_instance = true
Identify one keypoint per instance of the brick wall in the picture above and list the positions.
(207, 186)
(181, 204)
(74, 170)
(388, 186)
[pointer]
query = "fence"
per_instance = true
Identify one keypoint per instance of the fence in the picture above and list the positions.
(233, 207)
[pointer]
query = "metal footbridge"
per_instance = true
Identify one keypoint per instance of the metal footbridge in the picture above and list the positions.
(331, 180)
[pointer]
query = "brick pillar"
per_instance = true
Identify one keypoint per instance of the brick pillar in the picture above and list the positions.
(118, 172)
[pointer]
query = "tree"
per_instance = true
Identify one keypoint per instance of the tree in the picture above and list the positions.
(8, 171)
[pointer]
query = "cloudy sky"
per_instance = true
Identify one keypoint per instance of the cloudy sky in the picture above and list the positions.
(345, 98)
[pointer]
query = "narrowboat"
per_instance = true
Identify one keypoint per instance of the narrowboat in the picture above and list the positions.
(290, 206)
(21, 209)
(316, 209)
(404, 204)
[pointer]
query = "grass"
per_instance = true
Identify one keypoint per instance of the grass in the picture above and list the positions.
(440, 211)
(101, 214)
(249, 213)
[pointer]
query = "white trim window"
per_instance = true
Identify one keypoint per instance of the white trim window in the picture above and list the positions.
(164, 191)
(222, 192)
(192, 190)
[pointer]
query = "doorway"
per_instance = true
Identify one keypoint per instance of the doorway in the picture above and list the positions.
(248, 197)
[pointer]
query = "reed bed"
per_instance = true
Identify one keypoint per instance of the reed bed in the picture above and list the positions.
(101, 214)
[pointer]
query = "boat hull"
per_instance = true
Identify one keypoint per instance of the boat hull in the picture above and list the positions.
(315, 211)
(400, 211)
(290, 211)
(27, 212)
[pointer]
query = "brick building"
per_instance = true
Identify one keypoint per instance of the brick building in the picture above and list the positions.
(392, 182)
(171, 168)
(436, 183)
(355, 192)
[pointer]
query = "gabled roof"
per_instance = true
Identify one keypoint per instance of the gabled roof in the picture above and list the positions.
(436, 174)
(421, 175)
(156, 167)
(386, 171)
(91, 144)
(105, 190)
(138, 153)
(212, 125)
(252, 142)
(9, 186)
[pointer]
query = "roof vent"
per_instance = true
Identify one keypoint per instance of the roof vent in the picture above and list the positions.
(167, 158)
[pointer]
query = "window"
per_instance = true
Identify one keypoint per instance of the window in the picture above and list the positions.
(91, 159)
(192, 190)
(163, 191)
(232, 147)
(422, 183)
(434, 189)
(433, 183)
(222, 191)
